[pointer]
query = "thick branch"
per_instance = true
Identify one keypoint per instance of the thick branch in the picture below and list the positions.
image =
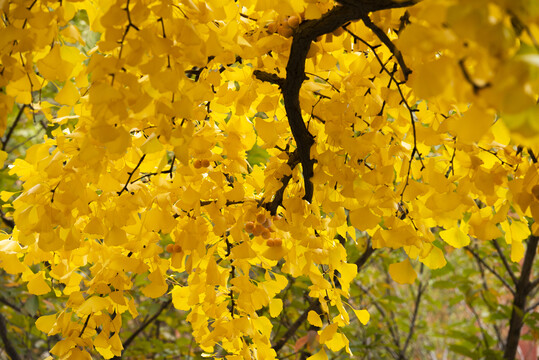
(295, 70)
(523, 289)
(272, 207)
(10, 349)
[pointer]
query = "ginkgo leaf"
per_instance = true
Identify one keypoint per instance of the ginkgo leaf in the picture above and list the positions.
(45, 323)
(314, 319)
(321, 355)
(363, 219)
(362, 315)
(37, 284)
(435, 259)
(455, 237)
(68, 95)
(402, 272)
(275, 307)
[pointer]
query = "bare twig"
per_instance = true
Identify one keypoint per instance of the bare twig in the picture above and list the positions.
(387, 42)
(131, 174)
(420, 291)
(143, 326)
(494, 272)
(13, 126)
(505, 262)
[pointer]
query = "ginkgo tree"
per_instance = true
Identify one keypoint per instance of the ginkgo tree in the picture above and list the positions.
(214, 155)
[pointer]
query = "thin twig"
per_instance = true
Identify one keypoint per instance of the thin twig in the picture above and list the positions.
(131, 175)
(13, 126)
(387, 42)
(420, 291)
(505, 262)
(494, 272)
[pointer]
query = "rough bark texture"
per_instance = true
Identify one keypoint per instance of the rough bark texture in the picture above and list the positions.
(519, 301)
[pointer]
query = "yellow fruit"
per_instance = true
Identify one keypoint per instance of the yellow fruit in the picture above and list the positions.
(177, 248)
(293, 21)
(205, 163)
(250, 227)
(261, 218)
(197, 164)
(272, 27)
(266, 234)
(170, 248)
(270, 243)
(285, 31)
(258, 230)
(277, 242)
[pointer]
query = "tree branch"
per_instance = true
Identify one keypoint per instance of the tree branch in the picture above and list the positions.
(13, 126)
(505, 262)
(523, 289)
(307, 32)
(143, 326)
(10, 349)
(494, 272)
(420, 291)
(387, 42)
(131, 175)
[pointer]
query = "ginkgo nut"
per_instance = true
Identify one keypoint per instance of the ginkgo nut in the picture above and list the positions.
(285, 31)
(266, 234)
(197, 164)
(258, 229)
(277, 242)
(250, 227)
(261, 218)
(267, 223)
(293, 21)
(270, 242)
(177, 248)
(272, 27)
(169, 248)
(205, 163)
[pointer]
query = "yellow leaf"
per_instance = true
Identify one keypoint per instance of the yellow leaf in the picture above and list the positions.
(3, 157)
(37, 284)
(158, 285)
(68, 95)
(363, 219)
(314, 319)
(517, 251)
(11, 263)
(116, 236)
(327, 333)
(435, 259)
(472, 126)
(455, 237)
(402, 272)
(321, 355)
(362, 315)
(275, 307)
(45, 323)
(180, 297)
